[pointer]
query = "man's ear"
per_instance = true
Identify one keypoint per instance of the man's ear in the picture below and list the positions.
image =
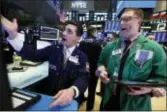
(78, 38)
(140, 22)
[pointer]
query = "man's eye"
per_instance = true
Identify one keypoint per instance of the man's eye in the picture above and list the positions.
(125, 19)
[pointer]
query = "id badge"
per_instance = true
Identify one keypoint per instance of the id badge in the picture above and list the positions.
(117, 51)
(142, 56)
(143, 53)
(73, 59)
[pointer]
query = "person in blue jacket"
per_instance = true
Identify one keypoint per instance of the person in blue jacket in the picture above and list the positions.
(68, 77)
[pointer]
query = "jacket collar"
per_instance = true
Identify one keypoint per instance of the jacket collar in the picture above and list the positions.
(137, 45)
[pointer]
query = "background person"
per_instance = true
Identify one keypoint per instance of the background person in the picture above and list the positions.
(92, 49)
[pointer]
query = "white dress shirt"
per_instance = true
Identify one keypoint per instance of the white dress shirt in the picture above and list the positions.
(67, 53)
(17, 42)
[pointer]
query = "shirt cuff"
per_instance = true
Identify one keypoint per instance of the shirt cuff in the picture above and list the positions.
(76, 91)
(42, 44)
(17, 42)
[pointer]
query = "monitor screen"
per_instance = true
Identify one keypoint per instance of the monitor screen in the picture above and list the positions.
(110, 26)
(155, 34)
(163, 37)
(49, 33)
(84, 35)
(99, 35)
(158, 36)
(117, 26)
(106, 26)
(113, 25)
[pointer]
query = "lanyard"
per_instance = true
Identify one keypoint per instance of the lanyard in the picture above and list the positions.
(130, 46)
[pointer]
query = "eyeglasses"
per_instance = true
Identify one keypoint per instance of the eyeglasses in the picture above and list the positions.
(127, 19)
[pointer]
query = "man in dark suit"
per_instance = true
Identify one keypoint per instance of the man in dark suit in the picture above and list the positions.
(68, 78)
(92, 49)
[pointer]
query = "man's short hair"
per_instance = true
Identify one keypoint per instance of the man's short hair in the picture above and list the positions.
(91, 30)
(138, 12)
(79, 30)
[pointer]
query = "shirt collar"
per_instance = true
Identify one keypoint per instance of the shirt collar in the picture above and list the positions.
(134, 38)
(70, 49)
(80, 40)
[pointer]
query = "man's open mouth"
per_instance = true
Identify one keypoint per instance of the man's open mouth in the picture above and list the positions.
(63, 39)
(123, 29)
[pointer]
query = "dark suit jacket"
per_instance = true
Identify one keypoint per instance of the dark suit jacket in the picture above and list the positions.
(92, 49)
(60, 77)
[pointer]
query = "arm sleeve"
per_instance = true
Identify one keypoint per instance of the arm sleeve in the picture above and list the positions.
(27, 52)
(17, 42)
(159, 70)
(41, 55)
(104, 56)
(81, 82)
(76, 91)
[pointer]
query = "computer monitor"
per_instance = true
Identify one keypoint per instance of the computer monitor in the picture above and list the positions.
(99, 35)
(48, 33)
(164, 38)
(106, 26)
(84, 36)
(158, 36)
(155, 34)
(109, 26)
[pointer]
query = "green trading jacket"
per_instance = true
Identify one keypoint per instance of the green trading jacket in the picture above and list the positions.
(132, 72)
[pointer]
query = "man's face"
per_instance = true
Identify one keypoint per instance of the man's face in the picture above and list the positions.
(129, 24)
(69, 37)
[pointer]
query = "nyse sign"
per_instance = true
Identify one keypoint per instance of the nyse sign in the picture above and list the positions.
(79, 4)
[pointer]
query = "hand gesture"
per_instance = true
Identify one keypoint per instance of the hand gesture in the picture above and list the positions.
(158, 92)
(102, 73)
(10, 27)
(138, 90)
(63, 97)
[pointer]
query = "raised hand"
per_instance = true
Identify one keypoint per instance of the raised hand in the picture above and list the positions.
(10, 27)
(61, 15)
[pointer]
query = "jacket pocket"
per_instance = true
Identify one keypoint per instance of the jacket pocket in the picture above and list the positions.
(140, 73)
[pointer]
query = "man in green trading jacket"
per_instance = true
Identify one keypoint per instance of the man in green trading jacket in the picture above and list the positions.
(143, 60)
